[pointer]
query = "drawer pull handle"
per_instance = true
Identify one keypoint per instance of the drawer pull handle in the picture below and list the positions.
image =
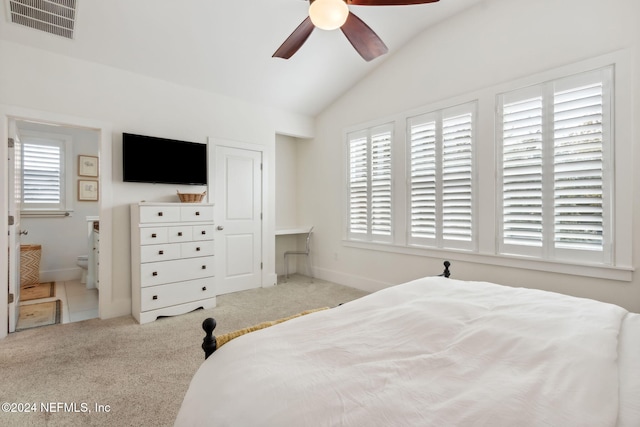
(180, 233)
(198, 213)
(198, 249)
(204, 288)
(204, 231)
(160, 252)
(160, 214)
(155, 297)
(155, 273)
(154, 235)
(204, 267)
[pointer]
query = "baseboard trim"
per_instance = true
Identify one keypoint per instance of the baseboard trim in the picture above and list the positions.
(271, 280)
(61, 275)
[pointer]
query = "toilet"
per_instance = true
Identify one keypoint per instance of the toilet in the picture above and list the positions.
(83, 263)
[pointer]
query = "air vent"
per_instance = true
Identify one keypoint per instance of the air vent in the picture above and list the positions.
(51, 16)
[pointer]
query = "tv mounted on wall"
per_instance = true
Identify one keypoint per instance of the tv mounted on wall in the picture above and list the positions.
(163, 161)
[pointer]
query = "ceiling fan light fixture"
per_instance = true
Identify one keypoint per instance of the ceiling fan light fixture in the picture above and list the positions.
(328, 14)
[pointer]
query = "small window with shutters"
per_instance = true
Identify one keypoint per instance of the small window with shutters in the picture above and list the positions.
(440, 187)
(555, 151)
(45, 186)
(369, 180)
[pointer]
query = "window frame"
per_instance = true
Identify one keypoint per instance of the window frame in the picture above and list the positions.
(65, 143)
(368, 134)
(547, 92)
(439, 117)
(621, 267)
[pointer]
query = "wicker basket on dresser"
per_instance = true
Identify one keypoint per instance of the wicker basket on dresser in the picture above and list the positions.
(172, 259)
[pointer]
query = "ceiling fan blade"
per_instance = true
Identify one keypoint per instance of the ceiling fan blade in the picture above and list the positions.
(295, 40)
(363, 38)
(387, 2)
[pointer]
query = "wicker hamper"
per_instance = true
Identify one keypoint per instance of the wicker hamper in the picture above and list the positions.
(30, 265)
(191, 197)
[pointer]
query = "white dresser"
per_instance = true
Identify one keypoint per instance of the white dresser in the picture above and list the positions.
(172, 259)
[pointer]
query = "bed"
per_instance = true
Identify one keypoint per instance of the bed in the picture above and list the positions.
(431, 352)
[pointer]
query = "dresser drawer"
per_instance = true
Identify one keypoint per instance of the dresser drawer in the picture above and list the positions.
(155, 214)
(180, 234)
(155, 297)
(157, 273)
(153, 235)
(157, 253)
(202, 232)
(196, 249)
(196, 213)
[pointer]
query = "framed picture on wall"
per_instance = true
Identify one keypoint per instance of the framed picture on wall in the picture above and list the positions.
(87, 190)
(87, 165)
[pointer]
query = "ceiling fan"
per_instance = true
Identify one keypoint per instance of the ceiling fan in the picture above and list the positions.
(333, 14)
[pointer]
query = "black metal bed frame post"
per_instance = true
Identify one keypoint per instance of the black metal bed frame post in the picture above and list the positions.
(209, 343)
(446, 272)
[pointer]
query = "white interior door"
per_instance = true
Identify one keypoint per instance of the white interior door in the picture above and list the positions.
(238, 199)
(14, 200)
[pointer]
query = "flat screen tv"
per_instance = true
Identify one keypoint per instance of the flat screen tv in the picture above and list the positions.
(163, 161)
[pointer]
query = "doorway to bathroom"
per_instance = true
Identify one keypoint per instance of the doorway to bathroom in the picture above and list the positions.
(57, 190)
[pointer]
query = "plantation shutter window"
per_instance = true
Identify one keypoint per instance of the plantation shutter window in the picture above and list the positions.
(457, 167)
(381, 182)
(441, 204)
(578, 168)
(358, 185)
(44, 177)
(370, 184)
(556, 145)
(522, 172)
(422, 187)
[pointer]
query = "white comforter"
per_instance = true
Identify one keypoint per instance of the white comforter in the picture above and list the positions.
(432, 352)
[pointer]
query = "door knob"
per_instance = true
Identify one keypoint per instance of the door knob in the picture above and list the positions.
(220, 227)
(23, 232)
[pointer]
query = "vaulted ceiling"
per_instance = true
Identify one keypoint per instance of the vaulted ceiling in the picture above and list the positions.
(226, 46)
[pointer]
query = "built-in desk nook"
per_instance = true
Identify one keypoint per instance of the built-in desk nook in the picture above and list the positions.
(288, 239)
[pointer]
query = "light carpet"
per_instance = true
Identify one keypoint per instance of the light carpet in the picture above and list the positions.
(140, 373)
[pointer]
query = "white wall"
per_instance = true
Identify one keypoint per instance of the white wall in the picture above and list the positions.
(287, 180)
(38, 80)
(496, 42)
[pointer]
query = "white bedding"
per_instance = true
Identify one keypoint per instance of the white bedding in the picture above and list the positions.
(431, 352)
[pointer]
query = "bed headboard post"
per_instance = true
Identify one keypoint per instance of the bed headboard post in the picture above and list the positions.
(209, 343)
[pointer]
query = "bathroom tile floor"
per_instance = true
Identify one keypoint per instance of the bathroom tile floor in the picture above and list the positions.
(78, 302)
